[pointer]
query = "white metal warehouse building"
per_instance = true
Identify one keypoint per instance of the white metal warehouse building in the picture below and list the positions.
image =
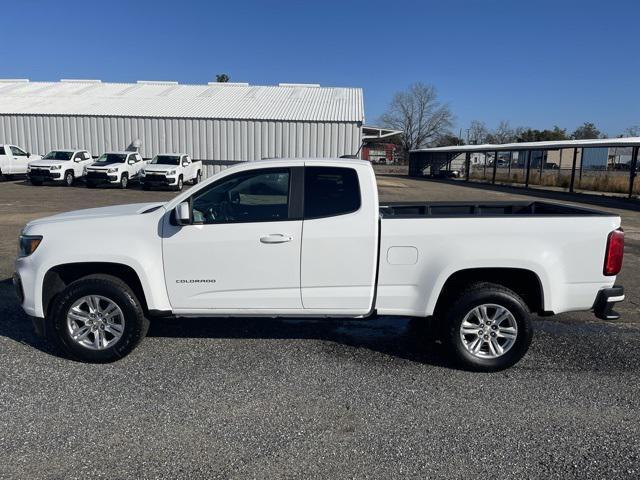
(217, 121)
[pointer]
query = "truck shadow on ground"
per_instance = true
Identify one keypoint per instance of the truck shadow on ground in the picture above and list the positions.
(397, 336)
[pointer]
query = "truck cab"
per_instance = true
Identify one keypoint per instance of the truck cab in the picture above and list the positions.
(59, 166)
(171, 170)
(14, 160)
(115, 168)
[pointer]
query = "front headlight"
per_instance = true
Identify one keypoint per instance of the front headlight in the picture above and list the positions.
(56, 167)
(28, 244)
(112, 170)
(171, 172)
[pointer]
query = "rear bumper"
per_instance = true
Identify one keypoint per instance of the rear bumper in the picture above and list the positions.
(606, 299)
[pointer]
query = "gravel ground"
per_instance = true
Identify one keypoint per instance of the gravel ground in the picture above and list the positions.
(260, 398)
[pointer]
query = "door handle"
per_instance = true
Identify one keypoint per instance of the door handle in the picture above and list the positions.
(276, 238)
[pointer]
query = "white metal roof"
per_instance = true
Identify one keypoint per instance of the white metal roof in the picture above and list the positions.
(551, 145)
(293, 102)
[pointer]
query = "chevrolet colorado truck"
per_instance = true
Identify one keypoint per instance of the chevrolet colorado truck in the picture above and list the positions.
(171, 170)
(115, 168)
(59, 166)
(308, 238)
(14, 161)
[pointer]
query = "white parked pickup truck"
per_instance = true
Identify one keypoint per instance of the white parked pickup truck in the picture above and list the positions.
(59, 166)
(307, 238)
(115, 168)
(171, 170)
(14, 161)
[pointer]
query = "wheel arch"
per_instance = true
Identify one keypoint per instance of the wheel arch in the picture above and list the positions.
(526, 283)
(60, 276)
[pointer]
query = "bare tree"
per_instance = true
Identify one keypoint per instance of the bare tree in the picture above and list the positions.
(419, 114)
(633, 131)
(503, 134)
(477, 132)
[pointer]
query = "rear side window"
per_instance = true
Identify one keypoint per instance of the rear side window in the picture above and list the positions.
(330, 191)
(2, 150)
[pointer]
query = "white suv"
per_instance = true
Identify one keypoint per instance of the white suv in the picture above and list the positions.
(115, 168)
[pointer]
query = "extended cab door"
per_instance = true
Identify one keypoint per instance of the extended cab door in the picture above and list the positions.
(242, 252)
(81, 161)
(19, 160)
(340, 239)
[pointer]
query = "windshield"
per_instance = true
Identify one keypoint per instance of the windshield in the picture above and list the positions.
(166, 160)
(58, 155)
(112, 158)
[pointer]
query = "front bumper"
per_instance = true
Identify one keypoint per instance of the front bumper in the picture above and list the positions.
(42, 175)
(606, 299)
(101, 177)
(155, 180)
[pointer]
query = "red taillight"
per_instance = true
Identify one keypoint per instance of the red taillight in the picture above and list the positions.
(614, 252)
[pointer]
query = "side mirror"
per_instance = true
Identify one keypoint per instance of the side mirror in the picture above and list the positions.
(28, 154)
(185, 163)
(182, 213)
(131, 161)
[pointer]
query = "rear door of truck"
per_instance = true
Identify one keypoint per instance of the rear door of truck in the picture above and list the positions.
(340, 238)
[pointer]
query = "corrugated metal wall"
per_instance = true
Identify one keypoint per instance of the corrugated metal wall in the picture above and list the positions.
(205, 139)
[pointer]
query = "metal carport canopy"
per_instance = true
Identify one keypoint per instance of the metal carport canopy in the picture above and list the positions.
(550, 145)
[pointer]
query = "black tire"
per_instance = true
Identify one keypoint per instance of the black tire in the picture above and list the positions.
(135, 327)
(69, 178)
(180, 184)
(37, 183)
(198, 178)
(124, 181)
(482, 294)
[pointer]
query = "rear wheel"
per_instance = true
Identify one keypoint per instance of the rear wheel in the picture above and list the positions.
(198, 178)
(69, 178)
(97, 319)
(488, 328)
(124, 180)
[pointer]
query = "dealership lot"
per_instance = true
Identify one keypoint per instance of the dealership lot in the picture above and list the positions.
(227, 398)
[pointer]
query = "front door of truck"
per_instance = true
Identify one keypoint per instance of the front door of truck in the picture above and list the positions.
(242, 252)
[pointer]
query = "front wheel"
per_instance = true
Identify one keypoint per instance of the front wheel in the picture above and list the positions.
(124, 181)
(69, 178)
(488, 328)
(96, 319)
(180, 184)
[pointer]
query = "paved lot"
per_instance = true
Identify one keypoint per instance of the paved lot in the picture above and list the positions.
(256, 398)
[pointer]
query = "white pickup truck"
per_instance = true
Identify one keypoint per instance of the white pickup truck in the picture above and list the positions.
(59, 166)
(307, 238)
(171, 170)
(14, 161)
(115, 168)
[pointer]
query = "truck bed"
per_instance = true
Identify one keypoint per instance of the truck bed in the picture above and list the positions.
(482, 209)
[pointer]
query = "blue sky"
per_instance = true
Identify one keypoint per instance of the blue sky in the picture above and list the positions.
(533, 63)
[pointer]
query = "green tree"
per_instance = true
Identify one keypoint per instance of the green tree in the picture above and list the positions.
(222, 78)
(586, 131)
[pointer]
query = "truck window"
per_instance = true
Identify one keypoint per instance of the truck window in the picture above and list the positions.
(2, 150)
(330, 191)
(18, 152)
(258, 196)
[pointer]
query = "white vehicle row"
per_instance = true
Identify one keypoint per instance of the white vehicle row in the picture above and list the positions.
(66, 166)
